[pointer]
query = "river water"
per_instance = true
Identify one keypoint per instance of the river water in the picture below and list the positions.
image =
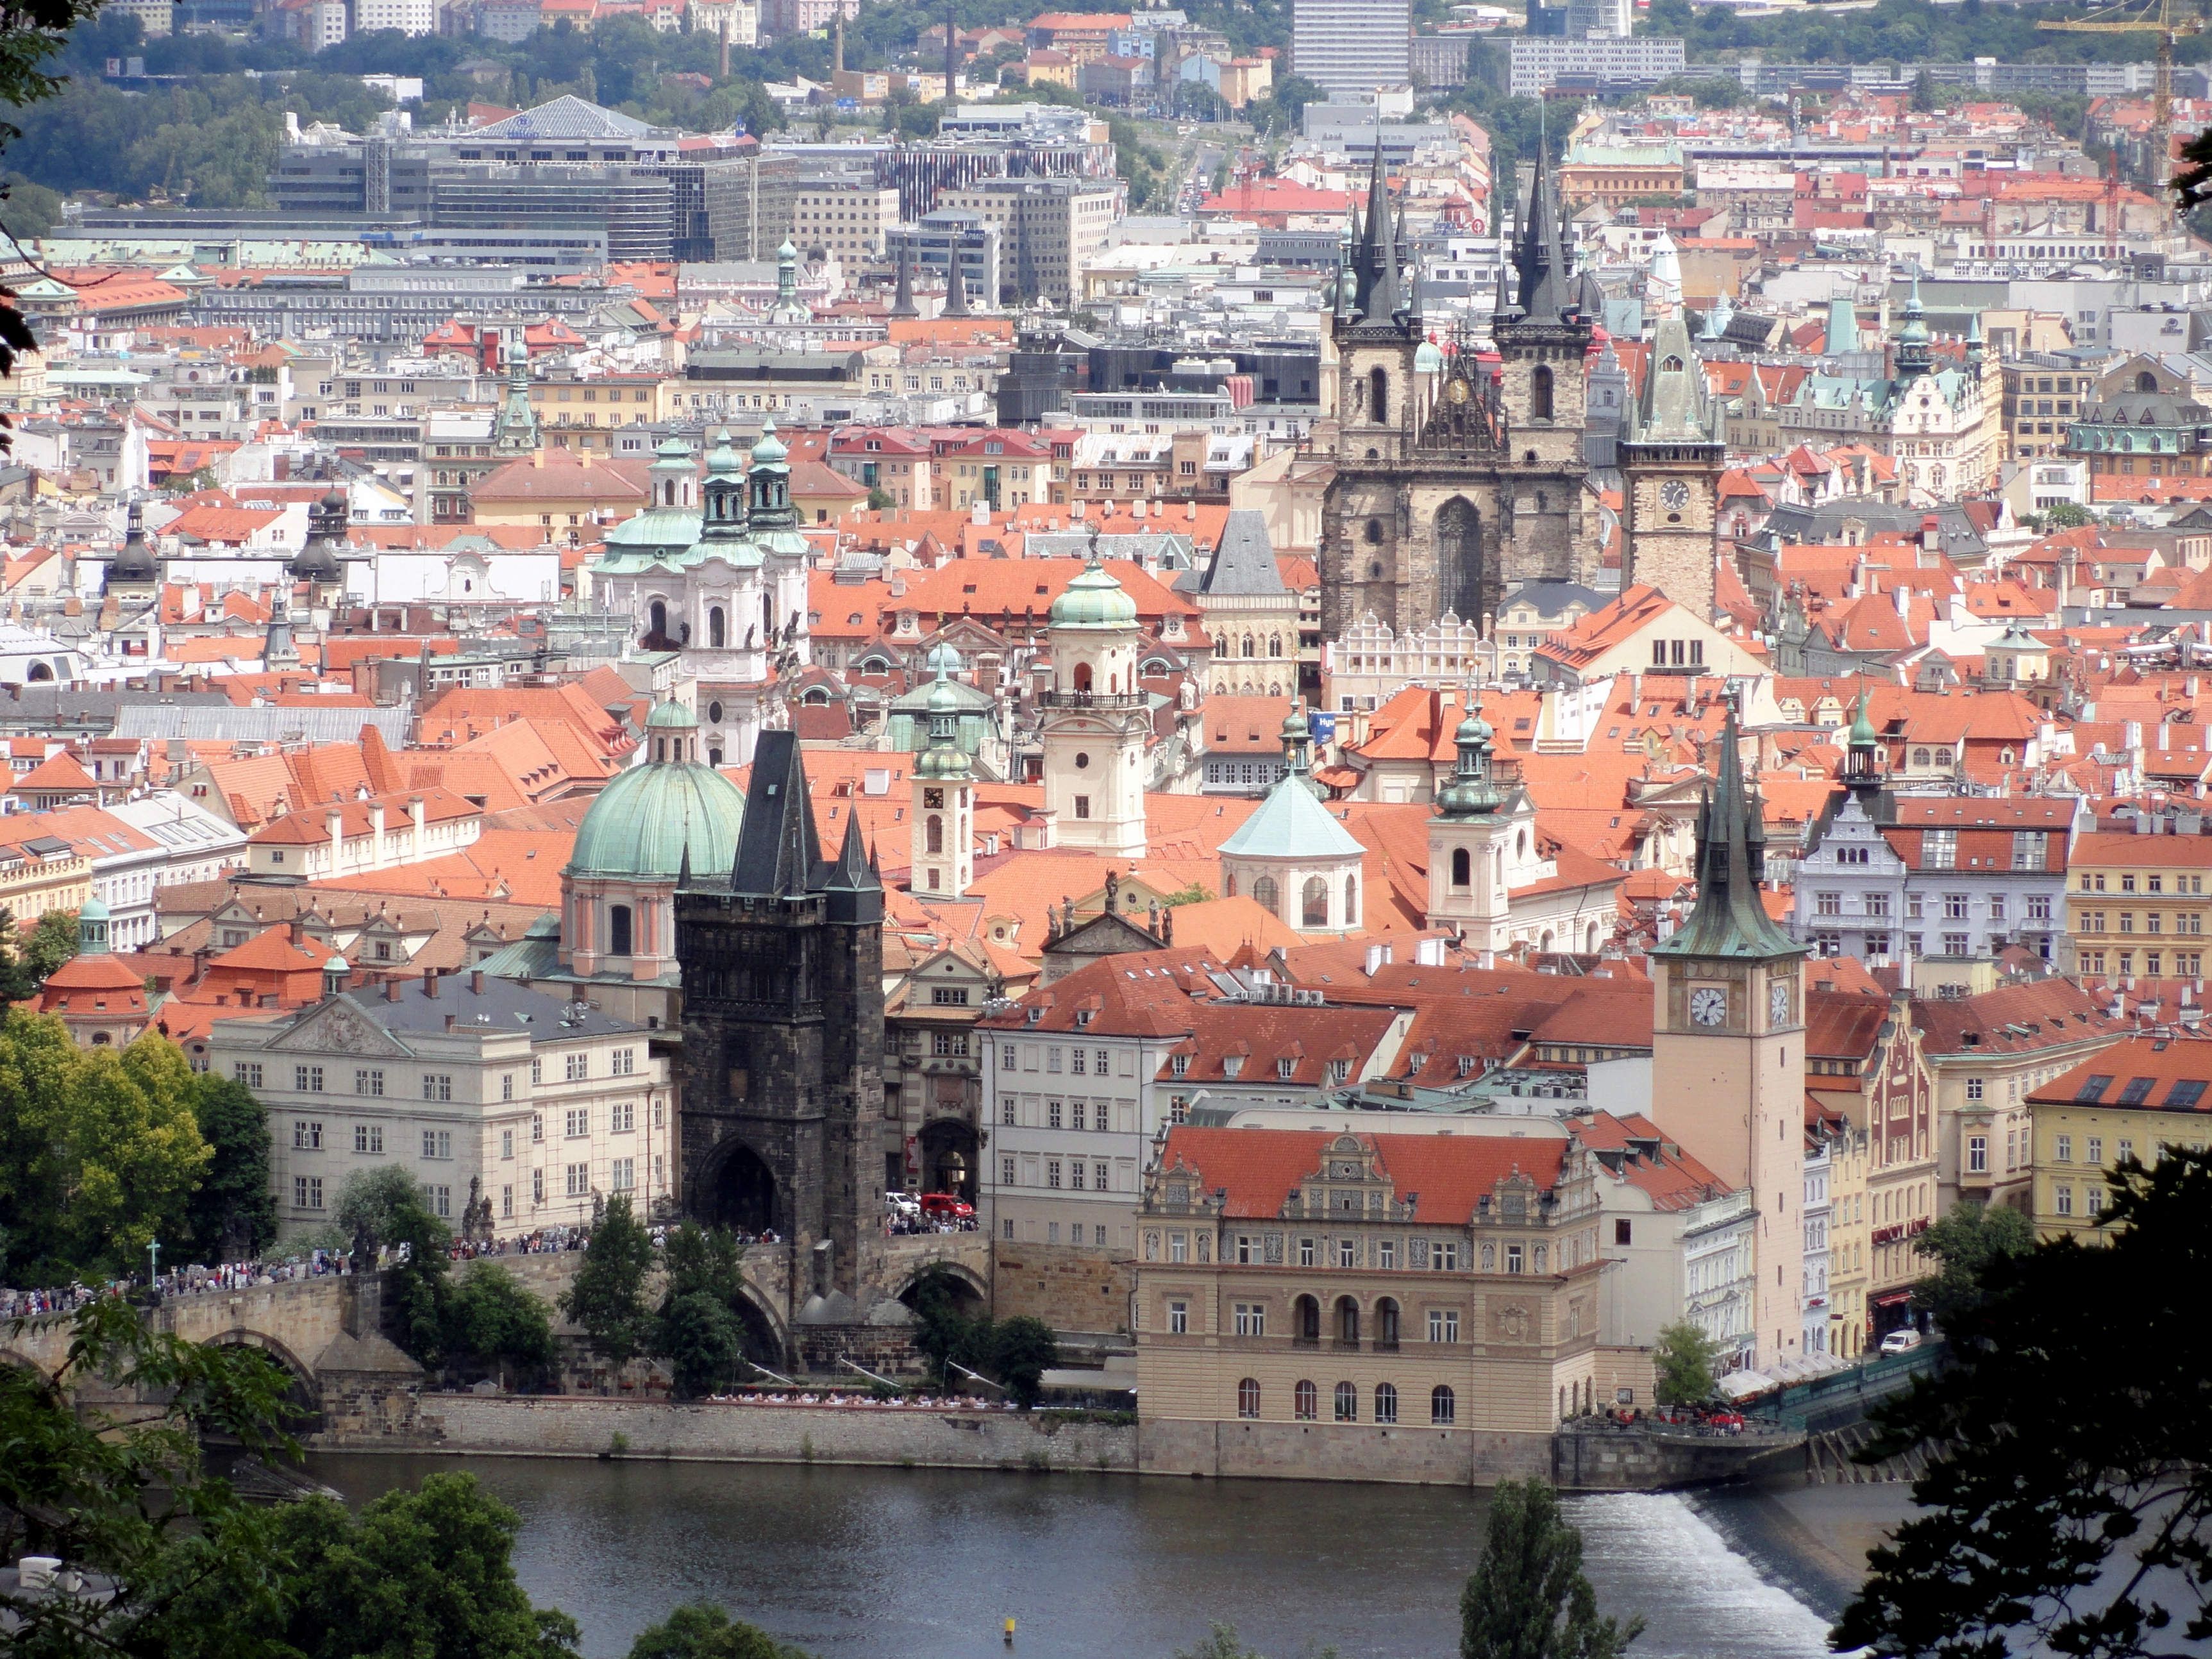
(921, 1564)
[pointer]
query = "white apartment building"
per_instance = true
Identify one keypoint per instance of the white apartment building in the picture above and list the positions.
(1350, 46)
(1048, 230)
(1817, 1216)
(473, 1083)
(1717, 1267)
(408, 16)
(845, 219)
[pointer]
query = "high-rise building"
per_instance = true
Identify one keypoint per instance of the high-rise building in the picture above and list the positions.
(1347, 47)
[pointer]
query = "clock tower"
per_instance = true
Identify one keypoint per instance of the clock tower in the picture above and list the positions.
(1727, 1062)
(1672, 464)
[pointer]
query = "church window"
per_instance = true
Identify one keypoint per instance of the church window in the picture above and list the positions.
(1248, 645)
(1352, 901)
(717, 627)
(1274, 645)
(1540, 393)
(1670, 365)
(936, 834)
(1462, 868)
(1378, 395)
(1315, 910)
(618, 941)
(1264, 894)
(1375, 533)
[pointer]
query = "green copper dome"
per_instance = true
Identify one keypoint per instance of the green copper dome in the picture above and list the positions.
(770, 448)
(1428, 358)
(1094, 599)
(643, 824)
(1862, 732)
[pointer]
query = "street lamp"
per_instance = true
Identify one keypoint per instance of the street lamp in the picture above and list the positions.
(153, 1263)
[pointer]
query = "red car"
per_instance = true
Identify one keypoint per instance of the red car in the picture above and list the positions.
(946, 1206)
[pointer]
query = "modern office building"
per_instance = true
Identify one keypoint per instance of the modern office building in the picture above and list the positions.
(927, 249)
(1048, 229)
(1349, 47)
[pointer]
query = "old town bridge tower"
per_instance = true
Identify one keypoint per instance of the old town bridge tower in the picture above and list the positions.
(1458, 471)
(783, 1030)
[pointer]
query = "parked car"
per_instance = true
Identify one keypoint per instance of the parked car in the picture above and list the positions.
(1904, 1341)
(901, 1203)
(946, 1206)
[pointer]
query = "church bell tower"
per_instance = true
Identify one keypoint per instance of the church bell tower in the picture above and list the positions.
(1672, 464)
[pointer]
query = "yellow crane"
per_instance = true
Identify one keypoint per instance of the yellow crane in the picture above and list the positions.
(2137, 17)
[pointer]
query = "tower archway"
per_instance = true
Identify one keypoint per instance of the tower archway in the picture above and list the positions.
(744, 1195)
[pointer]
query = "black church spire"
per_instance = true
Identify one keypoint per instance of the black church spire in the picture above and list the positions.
(1730, 917)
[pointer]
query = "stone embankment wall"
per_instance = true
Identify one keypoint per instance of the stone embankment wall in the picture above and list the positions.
(1328, 1451)
(706, 1430)
(1640, 1459)
(1078, 1290)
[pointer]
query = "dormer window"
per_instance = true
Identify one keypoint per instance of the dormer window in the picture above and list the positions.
(1284, 1066)
(1233, 1066)
(1340, 1071)
(1178, 1065)
(1035, 1015)
(1083, 1016)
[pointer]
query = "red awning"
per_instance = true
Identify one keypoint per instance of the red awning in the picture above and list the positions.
(1891, 1299)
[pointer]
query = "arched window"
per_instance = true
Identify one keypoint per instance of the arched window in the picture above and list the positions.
(1943, 758)
(1670, 364)
(1347, 1402)
(1462, 869)
(1352, 901)
(656, 618)
(1083, 676)
(1540, 393)
(1305, 1402)
(1228, 887)
(1264, 895)
(1305, 1316)
(936, 834)
(1315, 910)
(1274, 645)
(1920, 757)
(1248, 1398)
(1444, 1409)
(1248, 646)
(619, 929)
(2146, 381)
(717, 628)
(1386, 1323)
(1378, 396)
(1386, 1403)
(1348, 1320)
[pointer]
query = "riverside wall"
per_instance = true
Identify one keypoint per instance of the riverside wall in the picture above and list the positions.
(705, 1430)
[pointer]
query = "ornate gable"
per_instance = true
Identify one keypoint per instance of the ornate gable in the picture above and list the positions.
(339, 1028)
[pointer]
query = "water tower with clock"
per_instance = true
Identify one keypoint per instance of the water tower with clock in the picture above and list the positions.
(1728, 1063)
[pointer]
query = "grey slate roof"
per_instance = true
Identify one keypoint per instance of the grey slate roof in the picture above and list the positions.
(33, 708)
(1553, 598)
(501, 1005)
(1244, 563)
(220, 720)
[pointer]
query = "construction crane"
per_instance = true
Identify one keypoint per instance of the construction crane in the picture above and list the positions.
(2141, 17)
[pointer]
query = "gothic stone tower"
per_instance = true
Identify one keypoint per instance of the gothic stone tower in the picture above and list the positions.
(1457, 478)
(783, 1033)
(1727, 1060)
(1673, 466)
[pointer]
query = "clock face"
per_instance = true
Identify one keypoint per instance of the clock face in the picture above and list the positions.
(1674, 494)
(1709, 1004)
(1456, 392)
(1777, 1003)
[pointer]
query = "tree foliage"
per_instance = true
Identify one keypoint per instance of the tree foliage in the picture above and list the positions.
(490, 1316)
(126, 1494)
(1022, 1350)
(698, 1328)
(1683, 1361)
(1016, 1352)
(1965, 1244)
(384, 1208)
(2067, 1504)
(231, 1215)
(608, 1297)
(1528, 1597)
(100, 1152)
(701, 1630)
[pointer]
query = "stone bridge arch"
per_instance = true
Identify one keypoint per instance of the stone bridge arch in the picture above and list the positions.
(765, 1327)
(304, 1393)
(906, 1276)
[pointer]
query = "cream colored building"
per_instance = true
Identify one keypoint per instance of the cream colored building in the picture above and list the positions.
(1422, 1307)
(1048, 229)
(473, 1083)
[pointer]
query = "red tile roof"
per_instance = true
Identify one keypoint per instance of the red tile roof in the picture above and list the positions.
(1446, 1173)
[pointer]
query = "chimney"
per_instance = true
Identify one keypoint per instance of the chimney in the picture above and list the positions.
(476, 981)
(449, 1021)
(430, 983)
(391, 990)
(1376, 958)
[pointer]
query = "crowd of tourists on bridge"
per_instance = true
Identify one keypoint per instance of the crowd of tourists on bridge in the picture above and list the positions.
(950, 1402)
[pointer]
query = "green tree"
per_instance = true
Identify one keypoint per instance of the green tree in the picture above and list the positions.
(126, 1494)
(53, 941)
(1528, 1597)
(370, 1204)
(383, 1208)
(1022, 1350)
(1196, 893)
(1923, 92)
(698, 1328)
(1683, 1361)
(702, 1630)
(231, 1215)
(1222, 1642)
(1964, 1244)
(608, 1297)
(2066, 1507)
(98, 1152)
(944, 1333)
(881, 500)
(415, 1573)
(30, 211)
(492, 1316)
(2067, 515)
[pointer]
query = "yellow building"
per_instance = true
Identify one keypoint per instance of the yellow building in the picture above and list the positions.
(571, 496)
(1849, 1312)
(1617, 174)
(585, 414)
(2141, 1094)
(2137, 904)
(39, 874)
(1443, 1284)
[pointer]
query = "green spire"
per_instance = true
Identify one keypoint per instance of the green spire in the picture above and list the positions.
(1730, 919)
(1472, 792)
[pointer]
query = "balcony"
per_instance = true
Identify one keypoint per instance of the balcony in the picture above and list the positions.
(1090, 700)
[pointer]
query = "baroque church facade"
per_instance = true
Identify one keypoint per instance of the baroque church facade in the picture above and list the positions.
(1460, 472)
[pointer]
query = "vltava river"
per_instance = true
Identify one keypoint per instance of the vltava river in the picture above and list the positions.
(890, 1563)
